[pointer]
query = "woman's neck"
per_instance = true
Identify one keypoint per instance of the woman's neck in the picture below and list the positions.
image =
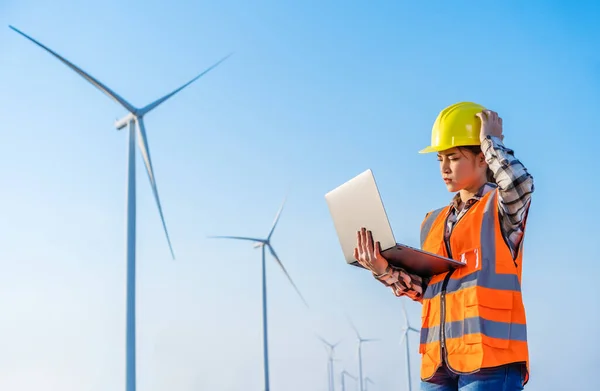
(469, 192)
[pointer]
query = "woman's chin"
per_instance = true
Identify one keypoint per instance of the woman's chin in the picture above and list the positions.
(452, 187)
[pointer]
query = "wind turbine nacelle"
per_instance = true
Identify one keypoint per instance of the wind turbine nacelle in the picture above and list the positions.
(123, 122)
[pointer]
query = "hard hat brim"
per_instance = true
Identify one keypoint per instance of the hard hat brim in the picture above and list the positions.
(440, 148)
(430, 149)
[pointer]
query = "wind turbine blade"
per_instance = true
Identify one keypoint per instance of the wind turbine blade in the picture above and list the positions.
(236, 238)
(159, 101)
(323, 340)
(113, 95)
(277, 218)
(145, 150)
(286, 273)
(405, 313)
(370, 340)
(407, 325)
(353, 327)
(403, 336)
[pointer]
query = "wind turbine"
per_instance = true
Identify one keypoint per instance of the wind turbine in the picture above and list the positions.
(262, 243)
(360, 342)
(344, 374)
(405, 330)
(367, 381)
(135, 117)
(330, 372)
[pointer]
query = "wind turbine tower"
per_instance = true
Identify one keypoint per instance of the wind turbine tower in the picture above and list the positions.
(407, 328)
(262, 244)
(134, 119)
(344, 374)
(367, 381)
(330, 371)
(360, 341)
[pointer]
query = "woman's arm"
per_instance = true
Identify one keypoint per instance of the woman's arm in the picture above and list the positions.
(515, 186)
(403, 283)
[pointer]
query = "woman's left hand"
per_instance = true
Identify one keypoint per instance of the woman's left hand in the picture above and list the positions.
(368, 253)
(491, 125)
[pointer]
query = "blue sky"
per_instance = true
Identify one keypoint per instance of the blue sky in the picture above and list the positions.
(314, 94)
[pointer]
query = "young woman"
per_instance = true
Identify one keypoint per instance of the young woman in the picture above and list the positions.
(473, 332)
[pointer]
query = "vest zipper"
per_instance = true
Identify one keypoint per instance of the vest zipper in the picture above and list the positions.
(443, 352)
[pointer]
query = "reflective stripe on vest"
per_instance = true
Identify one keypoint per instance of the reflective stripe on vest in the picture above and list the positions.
(429, 219)
(484, 315)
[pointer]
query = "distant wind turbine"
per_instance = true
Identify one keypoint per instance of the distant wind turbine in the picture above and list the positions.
(344, 374)
(134, 117)
(330, 371)
(262, 243)
(360, 342)
(367, 381)
(405, 330)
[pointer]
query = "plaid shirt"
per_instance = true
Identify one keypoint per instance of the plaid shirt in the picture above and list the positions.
(515, 186)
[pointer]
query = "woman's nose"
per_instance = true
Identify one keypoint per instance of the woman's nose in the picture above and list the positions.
(445, 166)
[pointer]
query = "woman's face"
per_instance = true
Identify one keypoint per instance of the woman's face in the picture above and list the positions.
(461, 168)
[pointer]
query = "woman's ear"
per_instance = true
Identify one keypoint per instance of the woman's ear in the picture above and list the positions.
(481, 161)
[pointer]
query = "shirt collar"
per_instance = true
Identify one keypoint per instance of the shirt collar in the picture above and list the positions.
(483, 190)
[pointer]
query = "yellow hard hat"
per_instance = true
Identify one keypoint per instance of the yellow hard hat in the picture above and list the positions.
(455, 126)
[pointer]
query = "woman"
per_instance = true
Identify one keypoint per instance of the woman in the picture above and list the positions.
(473, 334)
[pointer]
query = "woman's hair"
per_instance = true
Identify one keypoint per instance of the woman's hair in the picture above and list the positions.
(475, 150)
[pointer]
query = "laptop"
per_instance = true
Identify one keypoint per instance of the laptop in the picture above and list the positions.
(357, 203)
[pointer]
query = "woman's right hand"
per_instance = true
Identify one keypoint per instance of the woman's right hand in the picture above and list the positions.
(368, 253)
(491, 124)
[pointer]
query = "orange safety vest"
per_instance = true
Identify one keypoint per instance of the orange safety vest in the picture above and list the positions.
(473, 315)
